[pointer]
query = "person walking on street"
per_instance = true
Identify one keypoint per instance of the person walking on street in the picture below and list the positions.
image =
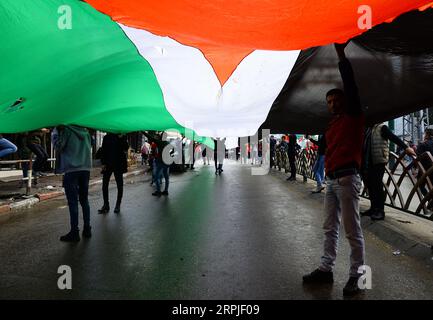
(375, 158)
(162, 168)
(114, 160)
(74, 144)
(219, 155)
(343, 139)
(6, 147)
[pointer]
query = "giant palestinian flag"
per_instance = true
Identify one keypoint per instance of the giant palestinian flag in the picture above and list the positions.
(218, 67)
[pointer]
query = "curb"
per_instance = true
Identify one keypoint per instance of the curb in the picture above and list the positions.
(5, 208)
(46, 196)
(400, 241)
(27, 203)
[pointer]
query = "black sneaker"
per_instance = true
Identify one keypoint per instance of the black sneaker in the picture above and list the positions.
(156, 194)
(72, 236)
(351, 288)
(367, 213)
(164, 193)
(104, 210)
(87, 232)
(117, 209)
(319, 276)
(378, 215)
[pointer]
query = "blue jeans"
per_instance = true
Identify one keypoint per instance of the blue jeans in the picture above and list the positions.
(6, 147)
(154, 169)
(77, 189)
(342, 203)
(162, 169)
(319, 170)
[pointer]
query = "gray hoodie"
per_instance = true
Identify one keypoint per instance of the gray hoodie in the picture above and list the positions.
(74, 146)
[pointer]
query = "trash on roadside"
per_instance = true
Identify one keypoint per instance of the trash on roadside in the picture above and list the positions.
(396, 252)
(49, 187)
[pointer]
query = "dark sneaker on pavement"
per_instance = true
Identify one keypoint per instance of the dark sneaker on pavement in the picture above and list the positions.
(72, 236)
(104, 210)
(87, 232)
(318, 189)
(367, 213)
(351, 288)
(319, 276)
(156, 194)
(164, 193)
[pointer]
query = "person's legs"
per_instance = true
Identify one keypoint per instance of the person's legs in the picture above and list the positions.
(349, 192)
(324, 273)
(320, 173)
(292, 161)
(331, 226)
(6, 147)
(154, 169)
(316, 173)
(166, 174)
(119, 182)
(25, 168)
(216, 163)
(83, 192)
(377, 191)
(37, 162)
(159, 168)
(105, 183)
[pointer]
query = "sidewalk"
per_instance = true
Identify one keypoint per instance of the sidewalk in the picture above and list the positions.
(13, 197)
(403, 232)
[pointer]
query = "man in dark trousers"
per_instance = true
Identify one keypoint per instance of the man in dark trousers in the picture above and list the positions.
(343, 138)
(376, 156)
(272, 146)
(219, 155)
(114, 159)
(292, 149)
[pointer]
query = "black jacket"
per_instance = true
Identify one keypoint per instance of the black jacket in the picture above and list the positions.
(293, 145)
(114, 153)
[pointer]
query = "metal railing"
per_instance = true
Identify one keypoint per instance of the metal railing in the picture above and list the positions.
(408, 185)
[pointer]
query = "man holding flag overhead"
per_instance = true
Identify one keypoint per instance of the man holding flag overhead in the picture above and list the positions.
(343, 140)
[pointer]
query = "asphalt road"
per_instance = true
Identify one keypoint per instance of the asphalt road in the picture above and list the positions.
(234, 236)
